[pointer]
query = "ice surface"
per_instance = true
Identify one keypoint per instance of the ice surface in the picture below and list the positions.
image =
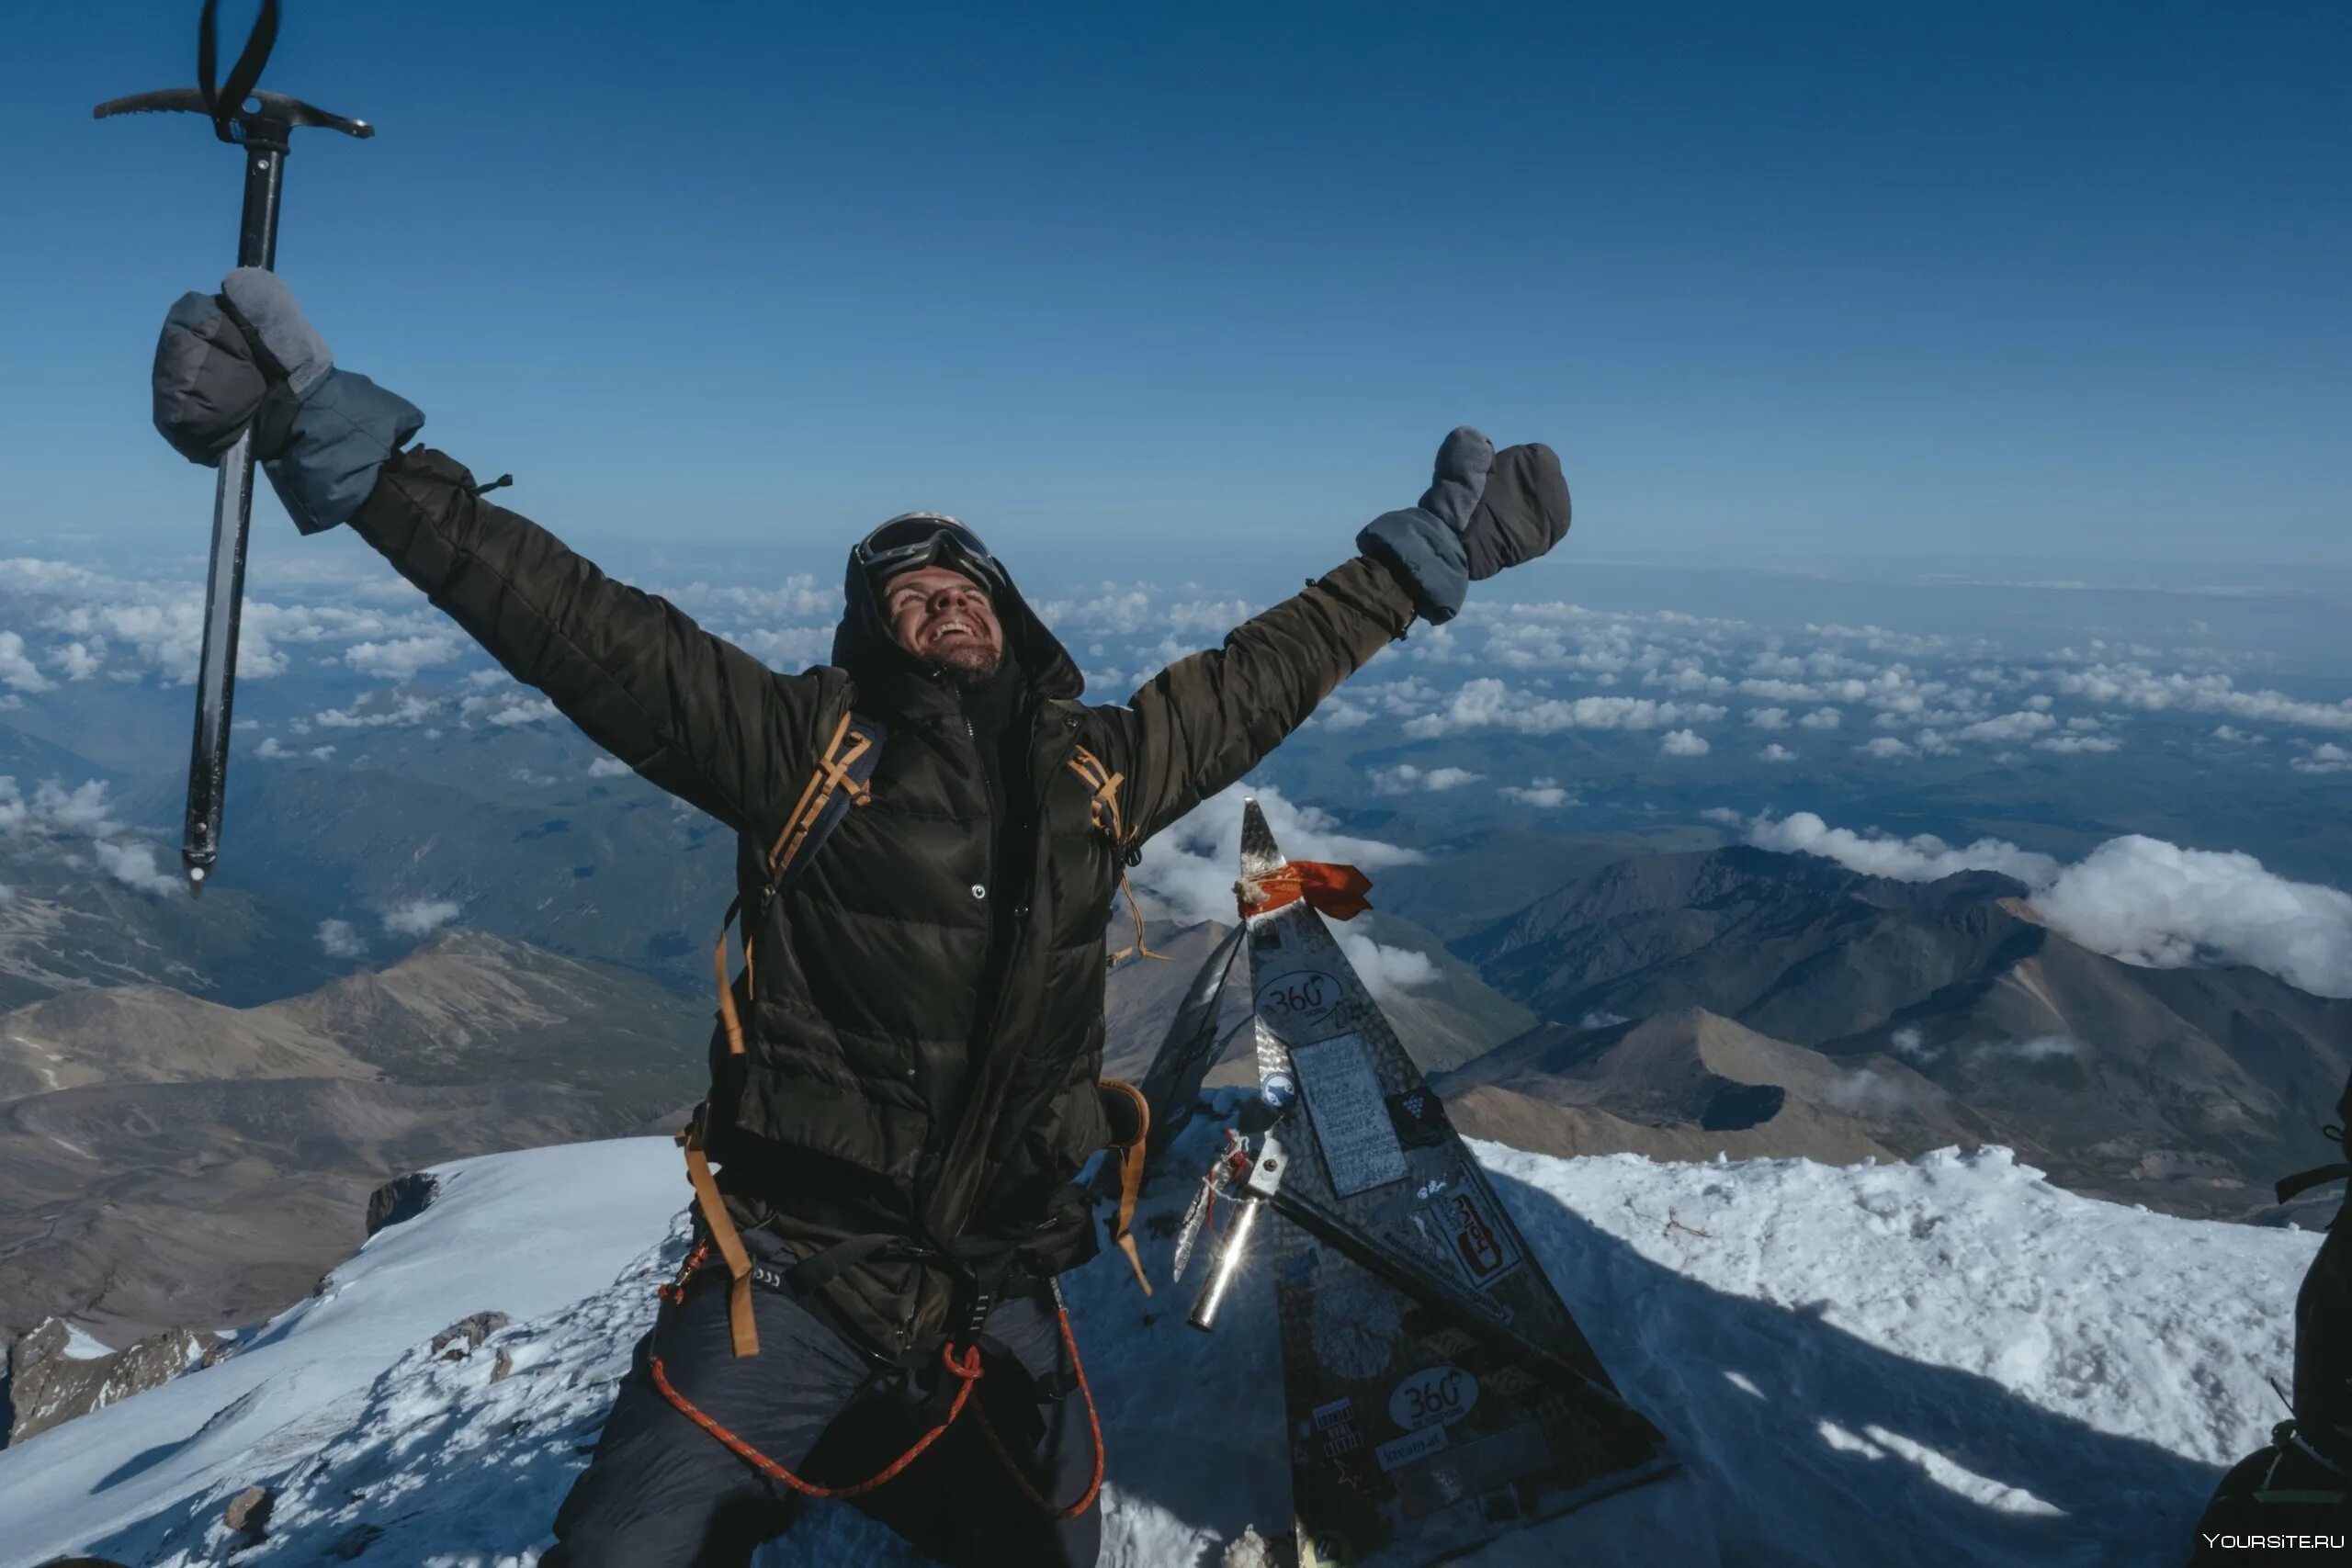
(1943, 1361)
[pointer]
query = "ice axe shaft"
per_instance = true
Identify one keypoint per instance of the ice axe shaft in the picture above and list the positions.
(262, 124)
(224, 584)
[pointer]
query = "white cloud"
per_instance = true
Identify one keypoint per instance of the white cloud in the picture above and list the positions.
(2135, 898)
(1823, 718)
(338, 940)
(1487, 702)
(2325, 758)
(1768, 719)
(1776, 752)
(1867, 1093)
(1406, 778)
(1886, 747)
(405, 710)
(608, 768)
(2019, 726)
(1683, 743)
(17, 667)
(1542, 792)
(2137, 686)
(1913, 1047)
(2072, 744)
(401, 659)
(1188, 871)
(510, 709)
(2146, 901)
(419, 917)
(1386, 971)
(78, 660)
(133, 866)
(2040, 1048)
(1923, 858)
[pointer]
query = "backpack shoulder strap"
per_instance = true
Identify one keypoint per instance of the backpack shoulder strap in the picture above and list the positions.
(841, 780)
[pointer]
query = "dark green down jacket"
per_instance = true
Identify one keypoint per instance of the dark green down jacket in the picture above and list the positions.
(873, 1096)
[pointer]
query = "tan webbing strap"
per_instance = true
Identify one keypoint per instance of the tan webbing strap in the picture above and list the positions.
(1131, 1178)
(723, 1234)
(1103, 812)
(727, 1015)
(832, 773)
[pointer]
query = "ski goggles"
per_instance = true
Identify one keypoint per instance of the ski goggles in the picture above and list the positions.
(915, 539)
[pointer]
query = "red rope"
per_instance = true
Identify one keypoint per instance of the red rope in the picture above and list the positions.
(1094, 1425)
(967, 1370)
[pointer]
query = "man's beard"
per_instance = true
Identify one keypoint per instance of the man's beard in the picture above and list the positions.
(969, 665)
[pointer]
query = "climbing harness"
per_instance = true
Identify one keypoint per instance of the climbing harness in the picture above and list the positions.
(968, 1367)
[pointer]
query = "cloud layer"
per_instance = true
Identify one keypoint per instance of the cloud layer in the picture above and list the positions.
(2136, 898)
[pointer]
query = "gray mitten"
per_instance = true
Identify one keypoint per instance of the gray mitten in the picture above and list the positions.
(247, 356)
(1484, 511)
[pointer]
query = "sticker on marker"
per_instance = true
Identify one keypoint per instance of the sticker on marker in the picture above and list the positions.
(1352, 1124)
(1403, 1451)
(1437, 1396)
(1473, 1236)
(1294, 1001)
(1337, 1423)
(1419, 1116)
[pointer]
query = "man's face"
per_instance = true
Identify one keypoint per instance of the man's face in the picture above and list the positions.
(944, 618)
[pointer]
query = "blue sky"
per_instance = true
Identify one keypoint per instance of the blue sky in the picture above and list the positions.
(1782, 283)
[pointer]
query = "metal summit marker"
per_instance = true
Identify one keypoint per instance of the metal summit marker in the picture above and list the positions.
(1439, 1394)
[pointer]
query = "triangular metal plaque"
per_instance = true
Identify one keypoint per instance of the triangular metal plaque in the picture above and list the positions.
(1439, 1392)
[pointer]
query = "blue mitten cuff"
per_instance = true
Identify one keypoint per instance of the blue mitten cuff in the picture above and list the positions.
(329, 443)
(1427, 554)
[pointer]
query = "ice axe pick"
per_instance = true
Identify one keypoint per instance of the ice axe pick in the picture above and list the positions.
(263, 124)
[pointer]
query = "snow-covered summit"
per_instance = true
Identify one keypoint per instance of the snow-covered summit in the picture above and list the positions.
(1947, 1361)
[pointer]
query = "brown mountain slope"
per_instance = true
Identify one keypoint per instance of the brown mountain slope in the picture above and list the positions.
(154, 1035)
(1692, 1085)
(2185, 1088)
(166, 1162)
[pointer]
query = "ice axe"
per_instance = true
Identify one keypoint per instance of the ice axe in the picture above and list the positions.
(263, 124)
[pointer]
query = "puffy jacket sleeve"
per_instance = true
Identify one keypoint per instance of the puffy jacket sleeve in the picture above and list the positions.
(1204, 721)
(688, 709)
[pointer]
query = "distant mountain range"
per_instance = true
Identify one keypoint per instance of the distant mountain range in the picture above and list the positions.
(1783, 999)
(171, 1163)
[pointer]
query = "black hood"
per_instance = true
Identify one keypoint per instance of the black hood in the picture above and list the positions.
(863, 648)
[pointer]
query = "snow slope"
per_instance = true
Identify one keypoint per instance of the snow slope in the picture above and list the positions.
(1945, 1362)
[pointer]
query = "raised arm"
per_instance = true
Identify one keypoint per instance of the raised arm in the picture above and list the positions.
(686, 708)
(690, 711)
(1204, 721)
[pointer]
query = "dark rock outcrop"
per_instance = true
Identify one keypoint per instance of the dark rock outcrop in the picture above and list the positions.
(402, 1198)
(48, 1384)
(464, 1336)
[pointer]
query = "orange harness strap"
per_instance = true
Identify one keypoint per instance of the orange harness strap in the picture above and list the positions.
(1102, 811)
(740, 1328)
(1131, 1178)
(831, 774)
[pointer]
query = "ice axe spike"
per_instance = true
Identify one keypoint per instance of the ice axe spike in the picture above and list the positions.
(263, 124)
